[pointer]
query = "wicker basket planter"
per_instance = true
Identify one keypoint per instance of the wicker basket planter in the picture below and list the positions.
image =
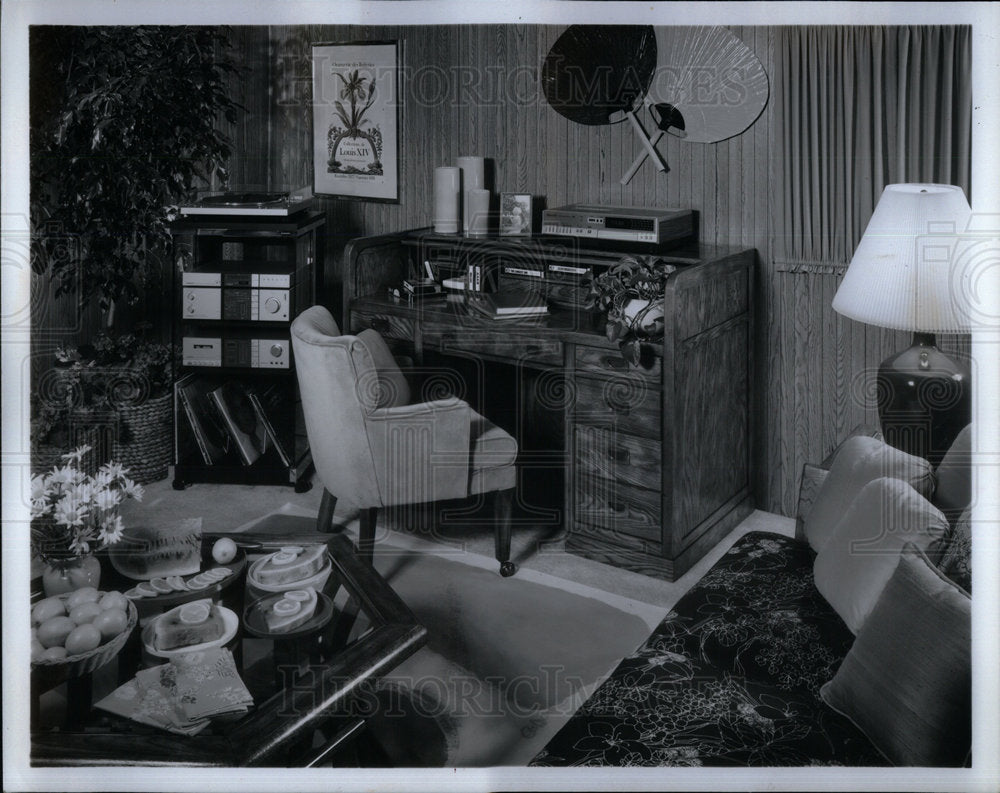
(144, 445)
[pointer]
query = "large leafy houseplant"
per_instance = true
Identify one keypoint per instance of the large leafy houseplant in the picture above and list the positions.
(126, 123)
(630, 295)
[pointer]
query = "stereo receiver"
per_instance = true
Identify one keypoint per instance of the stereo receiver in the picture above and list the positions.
(261, 297)
(623, 224)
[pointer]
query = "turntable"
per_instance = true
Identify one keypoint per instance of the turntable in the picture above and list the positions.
(250, 204)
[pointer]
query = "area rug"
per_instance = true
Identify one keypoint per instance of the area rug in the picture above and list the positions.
(508, 660)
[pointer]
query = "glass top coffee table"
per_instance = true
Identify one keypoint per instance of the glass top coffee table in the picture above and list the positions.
(312, 684)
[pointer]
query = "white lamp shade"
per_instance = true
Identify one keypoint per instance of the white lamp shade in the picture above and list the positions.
(903, 274)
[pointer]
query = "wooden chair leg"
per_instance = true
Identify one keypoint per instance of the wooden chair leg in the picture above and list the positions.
(366, 537)
(324, 523)
(501, 514)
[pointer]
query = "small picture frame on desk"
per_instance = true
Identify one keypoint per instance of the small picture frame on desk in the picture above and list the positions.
(515, 214)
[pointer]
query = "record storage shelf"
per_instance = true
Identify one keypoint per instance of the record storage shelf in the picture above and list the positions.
(238, 283)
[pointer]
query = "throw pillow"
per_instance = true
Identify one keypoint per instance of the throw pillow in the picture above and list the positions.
(854, 565)
(956, 563)
(858, 461)
(383, 386)
(906, 682)
(953, 491)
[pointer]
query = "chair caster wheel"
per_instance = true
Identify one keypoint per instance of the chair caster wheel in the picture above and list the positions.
(507, 569)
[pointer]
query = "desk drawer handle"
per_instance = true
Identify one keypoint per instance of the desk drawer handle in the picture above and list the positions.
(381, 324)
(617, 363)
(619, 454)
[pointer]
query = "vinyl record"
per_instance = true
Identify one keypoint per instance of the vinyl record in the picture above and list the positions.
(595, 73)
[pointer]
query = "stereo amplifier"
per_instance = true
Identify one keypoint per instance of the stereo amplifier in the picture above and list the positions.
(261, 297)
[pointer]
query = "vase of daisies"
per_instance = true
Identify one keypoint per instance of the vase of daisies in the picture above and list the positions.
(75, 514)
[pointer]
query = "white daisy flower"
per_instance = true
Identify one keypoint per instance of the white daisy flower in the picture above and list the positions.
(69, 512)
(112, 530)
(107, 499)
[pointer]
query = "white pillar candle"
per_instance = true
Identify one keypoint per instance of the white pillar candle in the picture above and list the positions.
(447, 181)
(478, 202)
(473, 178)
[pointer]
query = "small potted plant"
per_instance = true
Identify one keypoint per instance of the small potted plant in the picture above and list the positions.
(630, 295)
(74, 515)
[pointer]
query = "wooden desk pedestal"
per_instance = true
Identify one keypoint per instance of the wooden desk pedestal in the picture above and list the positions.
(657, 459)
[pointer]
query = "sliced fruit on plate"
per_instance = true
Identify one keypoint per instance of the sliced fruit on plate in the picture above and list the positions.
(177, 583)
(195, 613)
(161, 585)
(147, 589)
(291, 610)
(134, 593)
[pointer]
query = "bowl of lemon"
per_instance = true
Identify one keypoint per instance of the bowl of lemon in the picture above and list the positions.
(78, 632)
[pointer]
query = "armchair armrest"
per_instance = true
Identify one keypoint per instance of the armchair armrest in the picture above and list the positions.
(421, 451)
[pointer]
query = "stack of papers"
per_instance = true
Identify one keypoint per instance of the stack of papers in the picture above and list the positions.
(183, 695)
(509, 305)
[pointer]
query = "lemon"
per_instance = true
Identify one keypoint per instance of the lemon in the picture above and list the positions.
(195, 613)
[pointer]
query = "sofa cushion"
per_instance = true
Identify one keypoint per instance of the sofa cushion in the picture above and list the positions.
(953, 491)
(858, 461)
(956, 562)
(906, 683)
(381, 384)
(857, 561)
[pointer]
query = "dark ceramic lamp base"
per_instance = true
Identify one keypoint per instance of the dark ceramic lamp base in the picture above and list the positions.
(924, 399)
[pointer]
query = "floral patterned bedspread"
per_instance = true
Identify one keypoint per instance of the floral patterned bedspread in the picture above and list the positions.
(730, 677)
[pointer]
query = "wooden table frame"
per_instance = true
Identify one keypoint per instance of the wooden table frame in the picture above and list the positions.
(274, 727)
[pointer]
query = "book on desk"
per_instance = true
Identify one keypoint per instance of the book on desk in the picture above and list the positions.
(509, 305)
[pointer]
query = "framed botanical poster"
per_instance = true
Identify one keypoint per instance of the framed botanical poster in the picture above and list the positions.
(515, 214)
(356, 120)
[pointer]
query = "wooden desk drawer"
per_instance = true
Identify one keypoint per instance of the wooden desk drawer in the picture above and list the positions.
(495, 343)
(610, 363)
(617, 507)
(602, 452)
(628, 405)
(388, 325)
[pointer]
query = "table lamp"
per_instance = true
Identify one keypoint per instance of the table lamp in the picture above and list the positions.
(903, 276)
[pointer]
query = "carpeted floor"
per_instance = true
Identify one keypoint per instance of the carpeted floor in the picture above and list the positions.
(508, 660)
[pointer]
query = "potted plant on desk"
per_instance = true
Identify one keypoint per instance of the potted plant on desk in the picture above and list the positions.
(630, 295)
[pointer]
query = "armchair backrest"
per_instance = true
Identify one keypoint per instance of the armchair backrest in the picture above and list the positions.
(338, 384)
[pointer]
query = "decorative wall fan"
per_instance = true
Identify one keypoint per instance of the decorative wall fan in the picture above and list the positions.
(701, 84)
(598, 74)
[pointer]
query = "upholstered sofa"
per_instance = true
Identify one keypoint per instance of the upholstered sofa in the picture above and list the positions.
(845, 645)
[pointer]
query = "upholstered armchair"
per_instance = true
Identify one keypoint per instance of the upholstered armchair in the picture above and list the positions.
(374, 449)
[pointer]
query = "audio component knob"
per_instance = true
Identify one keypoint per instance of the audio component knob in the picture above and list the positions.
(277, 350)
(272, 305)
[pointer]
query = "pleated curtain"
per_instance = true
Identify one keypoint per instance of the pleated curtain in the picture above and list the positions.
(860, 107)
